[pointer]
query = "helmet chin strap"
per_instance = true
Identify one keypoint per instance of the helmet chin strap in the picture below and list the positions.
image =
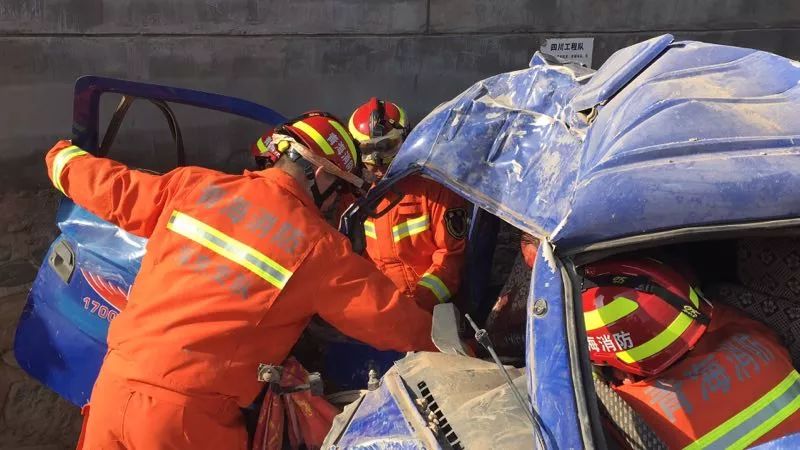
(320, 197)
(309, 170)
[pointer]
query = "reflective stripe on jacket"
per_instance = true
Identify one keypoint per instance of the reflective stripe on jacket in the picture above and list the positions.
(236, 266)
(419, 243)
(736, 388)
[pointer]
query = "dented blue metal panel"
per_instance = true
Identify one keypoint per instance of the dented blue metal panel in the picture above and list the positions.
(380, 423)
(791, 441)
(705, 135)
(550, 384)
(501, 145)
(665, 135)
(622, 67)
(61, 337)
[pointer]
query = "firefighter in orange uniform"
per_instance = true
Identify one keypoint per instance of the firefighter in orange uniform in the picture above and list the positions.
(699, 380)
(236, 266)
(419, 243)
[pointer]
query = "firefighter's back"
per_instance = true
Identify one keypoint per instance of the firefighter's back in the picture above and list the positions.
(223, 251)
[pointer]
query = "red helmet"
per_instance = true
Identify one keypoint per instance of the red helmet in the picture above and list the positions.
(313, 140)
(264, 151)
(640, 315)
(377, 118)
(325, 136)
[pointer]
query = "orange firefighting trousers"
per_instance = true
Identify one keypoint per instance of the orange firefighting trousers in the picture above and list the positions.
(137, 416)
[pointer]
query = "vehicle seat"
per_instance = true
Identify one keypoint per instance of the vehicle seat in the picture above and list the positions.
(769, 288)
(770, 266)
(478, 273)
(506, 321)
(775, 312)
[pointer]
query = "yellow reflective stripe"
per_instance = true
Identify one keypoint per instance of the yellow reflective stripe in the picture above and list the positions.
(436, 285)
(659, 342)
(402, 120)
(60, 162)
(369, 229)
(410, 228)
(356, 133)
(662, 340)
(756, 420)
(767, 426)
(261, 147)
(694, 298)
(314, 134)
(610, 313)
(228, 247)
(350, 145)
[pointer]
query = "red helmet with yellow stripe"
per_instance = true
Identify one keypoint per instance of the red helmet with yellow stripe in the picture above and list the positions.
(380, 127)
(326, 136)
(640, 315)
(314, 140)
(376, 118)
(264, 151)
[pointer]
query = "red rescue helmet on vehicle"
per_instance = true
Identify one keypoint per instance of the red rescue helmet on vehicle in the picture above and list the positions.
(640, 315)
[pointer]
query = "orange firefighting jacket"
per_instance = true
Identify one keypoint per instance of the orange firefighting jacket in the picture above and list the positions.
(236, 266)
(737, 387)
(419, 243)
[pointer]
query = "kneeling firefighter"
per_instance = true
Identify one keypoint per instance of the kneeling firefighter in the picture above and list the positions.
(699, 380)
(236, 266)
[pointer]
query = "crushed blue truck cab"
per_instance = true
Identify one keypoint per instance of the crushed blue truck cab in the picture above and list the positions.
(666, 142)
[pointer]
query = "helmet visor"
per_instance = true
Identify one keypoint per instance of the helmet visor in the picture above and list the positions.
(380, 151)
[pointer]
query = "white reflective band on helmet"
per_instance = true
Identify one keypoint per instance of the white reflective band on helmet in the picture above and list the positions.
(436, 285)
(756, 420)
(369, 229)
(410, 228)
(228, 247)
(60, 162)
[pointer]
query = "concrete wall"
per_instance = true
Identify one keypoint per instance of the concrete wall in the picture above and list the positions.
(302, 54)
(292, 56)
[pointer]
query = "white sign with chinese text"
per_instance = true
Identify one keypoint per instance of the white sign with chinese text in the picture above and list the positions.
(577, 50)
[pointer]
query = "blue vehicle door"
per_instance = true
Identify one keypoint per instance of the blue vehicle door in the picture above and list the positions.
(87, 272)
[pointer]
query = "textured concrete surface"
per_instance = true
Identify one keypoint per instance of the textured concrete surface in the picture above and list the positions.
(289, 55)
(213, 16)
(592, 16)
(31, 416)
(289, 73)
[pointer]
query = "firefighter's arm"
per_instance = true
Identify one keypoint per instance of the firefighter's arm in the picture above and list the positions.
(449, 226)
(362, 303)
(130, 199)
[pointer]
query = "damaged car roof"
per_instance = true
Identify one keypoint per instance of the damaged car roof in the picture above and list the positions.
(664, 135)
